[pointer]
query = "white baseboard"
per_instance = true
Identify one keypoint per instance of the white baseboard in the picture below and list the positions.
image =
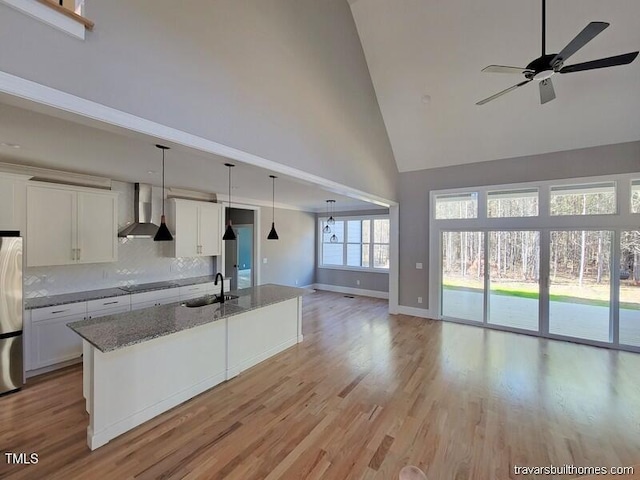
(50, 368)
(416, 312)
(351, 291)
(96, 440)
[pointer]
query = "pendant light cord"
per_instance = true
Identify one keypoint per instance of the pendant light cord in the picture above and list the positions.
(163, 182)
(273, 199)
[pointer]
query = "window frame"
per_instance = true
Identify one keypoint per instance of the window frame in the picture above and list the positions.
(345, 242)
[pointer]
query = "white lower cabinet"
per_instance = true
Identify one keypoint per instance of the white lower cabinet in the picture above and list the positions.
(53, 342)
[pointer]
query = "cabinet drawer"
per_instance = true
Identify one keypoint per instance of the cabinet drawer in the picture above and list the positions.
(59, 311)
(109, 311)
(108, 303)
(195, 291)
(154, 295)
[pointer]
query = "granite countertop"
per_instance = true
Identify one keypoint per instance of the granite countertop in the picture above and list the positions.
(54, 300)
(113, 332)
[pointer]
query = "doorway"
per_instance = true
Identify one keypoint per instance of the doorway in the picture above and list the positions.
(240, 254)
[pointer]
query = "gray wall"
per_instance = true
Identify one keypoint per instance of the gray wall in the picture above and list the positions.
(283, 79)
(377, 281)
(292, 258)
(414, 188)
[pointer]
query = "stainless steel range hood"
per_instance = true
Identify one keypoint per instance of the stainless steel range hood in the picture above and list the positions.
(141, 226)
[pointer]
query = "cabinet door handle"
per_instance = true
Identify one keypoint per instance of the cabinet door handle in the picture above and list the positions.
(110, 303)
(60, 311)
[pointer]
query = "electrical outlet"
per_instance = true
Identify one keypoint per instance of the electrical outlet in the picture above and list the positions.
(418, 266)
(357, 282)
(296, 282)
(419, 299)
(264, 260)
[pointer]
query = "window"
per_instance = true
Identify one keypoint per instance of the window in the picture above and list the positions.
(355, 243)
(456, 206)
(513, 203)
(588, 199)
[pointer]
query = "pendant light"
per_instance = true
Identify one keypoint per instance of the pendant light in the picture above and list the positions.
(334, 237)
(273, 235)
(331, 221)
(163, 234)
(327, 228)
(229, 234)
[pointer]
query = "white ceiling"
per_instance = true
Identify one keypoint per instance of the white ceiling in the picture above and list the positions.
(438, 48)
(60, 142)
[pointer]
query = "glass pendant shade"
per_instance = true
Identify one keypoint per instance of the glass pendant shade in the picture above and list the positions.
(334, 238)
(326, 229)
(163, 234)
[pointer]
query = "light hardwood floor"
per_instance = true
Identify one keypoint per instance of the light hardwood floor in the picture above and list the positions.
(365, 394)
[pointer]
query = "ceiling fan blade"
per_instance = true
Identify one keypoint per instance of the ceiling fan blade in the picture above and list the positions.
(547, 93)
(504, 69)
(499, 94)
(601, 63)
(585, 36)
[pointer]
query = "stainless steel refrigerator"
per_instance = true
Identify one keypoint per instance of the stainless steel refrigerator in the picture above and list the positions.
(11, 371)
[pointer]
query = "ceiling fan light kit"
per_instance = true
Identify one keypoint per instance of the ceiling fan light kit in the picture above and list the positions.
(543, 68)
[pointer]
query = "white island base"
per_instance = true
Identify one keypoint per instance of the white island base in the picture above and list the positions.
(126, 387)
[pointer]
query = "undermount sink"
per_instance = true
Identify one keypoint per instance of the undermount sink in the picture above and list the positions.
(209, 300)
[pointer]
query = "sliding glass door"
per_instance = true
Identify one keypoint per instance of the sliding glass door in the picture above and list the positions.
(580, 284)
(514, 287)
(629, 289)
(462, 294)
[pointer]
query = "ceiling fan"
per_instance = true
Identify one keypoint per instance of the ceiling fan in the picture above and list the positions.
(543, 68)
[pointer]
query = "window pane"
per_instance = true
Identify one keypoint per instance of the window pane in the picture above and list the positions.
(365, 255)
(354, 231)
(513, 203)
(381, 231)
(354, 254)
(366, 231)
(332, 254)
(337, 229)
(589, 199)
(381, 256)
(635, 196)
(457, 205)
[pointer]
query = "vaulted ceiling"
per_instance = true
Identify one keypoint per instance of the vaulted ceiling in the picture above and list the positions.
(425, 58)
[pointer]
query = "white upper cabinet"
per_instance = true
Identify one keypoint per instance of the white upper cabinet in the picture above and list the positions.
(97, 228)
(12, 201)
(196, 226)
(70, 225)
(209, 228)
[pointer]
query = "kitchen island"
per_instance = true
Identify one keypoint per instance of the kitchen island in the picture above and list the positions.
(139, 364)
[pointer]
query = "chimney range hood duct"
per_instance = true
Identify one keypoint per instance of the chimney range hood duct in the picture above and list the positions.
(141, 226)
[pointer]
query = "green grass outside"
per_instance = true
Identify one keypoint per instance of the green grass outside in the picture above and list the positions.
(553, 298)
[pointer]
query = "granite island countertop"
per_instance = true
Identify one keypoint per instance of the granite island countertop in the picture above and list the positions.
(114, 332)
(76, 297)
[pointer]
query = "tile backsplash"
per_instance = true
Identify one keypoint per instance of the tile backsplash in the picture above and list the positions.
(140, 260)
